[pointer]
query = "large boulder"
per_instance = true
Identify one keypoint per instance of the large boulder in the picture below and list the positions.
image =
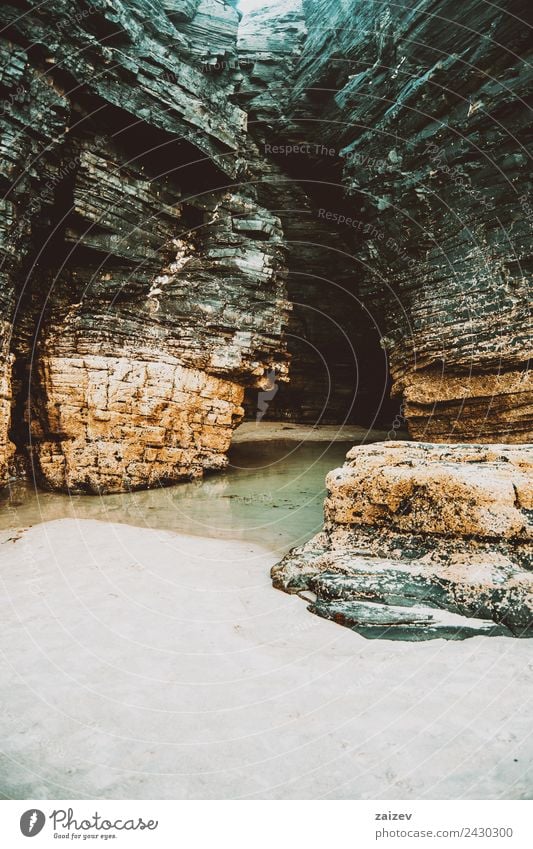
(423, 541)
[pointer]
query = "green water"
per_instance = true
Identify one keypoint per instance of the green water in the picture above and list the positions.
(271, 494)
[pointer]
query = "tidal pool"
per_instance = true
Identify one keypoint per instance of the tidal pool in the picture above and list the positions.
(271, 494)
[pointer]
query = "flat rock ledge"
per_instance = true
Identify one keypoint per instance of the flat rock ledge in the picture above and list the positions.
(423, 541)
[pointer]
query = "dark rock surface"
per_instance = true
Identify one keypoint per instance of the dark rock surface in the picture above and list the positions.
(410, 125)
(339, 372)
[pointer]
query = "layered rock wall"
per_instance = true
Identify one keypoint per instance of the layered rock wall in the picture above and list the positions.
(123, 423)
(439, 167)
(410, 126)
(169, 186)
(149, 280)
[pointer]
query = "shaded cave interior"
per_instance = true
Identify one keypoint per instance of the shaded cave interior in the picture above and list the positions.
(339, 370)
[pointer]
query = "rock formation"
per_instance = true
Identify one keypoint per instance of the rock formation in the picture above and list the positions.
(173, 186)
(423, 541)
(189, 207)
(408, 127)
(144, 280)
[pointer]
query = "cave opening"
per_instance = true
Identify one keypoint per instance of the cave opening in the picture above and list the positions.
(339, 370)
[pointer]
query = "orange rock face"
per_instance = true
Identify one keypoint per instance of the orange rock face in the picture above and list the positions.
(113, 424)
(473, 408)
(464, 491)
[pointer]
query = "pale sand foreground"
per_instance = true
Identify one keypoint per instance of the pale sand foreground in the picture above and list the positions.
(142, 664)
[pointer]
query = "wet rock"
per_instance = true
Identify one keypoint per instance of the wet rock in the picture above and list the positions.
(415, 532)
(387, 622)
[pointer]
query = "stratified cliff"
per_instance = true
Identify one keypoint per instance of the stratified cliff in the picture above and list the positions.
(174, 183)
(143, 283)
(409, 125)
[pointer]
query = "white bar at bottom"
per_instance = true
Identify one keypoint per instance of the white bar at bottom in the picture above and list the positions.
(267, 824)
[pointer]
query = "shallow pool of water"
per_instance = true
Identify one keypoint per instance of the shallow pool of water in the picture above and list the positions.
(272, 494)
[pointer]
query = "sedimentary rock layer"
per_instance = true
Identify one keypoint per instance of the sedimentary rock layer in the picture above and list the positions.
(169, 185)
(122, 423)
(422, 121)
(144, 282)
(423, 541)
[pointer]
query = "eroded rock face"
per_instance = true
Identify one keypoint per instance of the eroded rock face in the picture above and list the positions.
(421, 125)
(144, 280)
(127, 423)
(456, 490)
(33, 117)
(151, 215)
(423, 541)
(160, 354)
(406, 132)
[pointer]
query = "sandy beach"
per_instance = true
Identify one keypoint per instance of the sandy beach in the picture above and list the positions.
(140, 663)
(267, 431)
